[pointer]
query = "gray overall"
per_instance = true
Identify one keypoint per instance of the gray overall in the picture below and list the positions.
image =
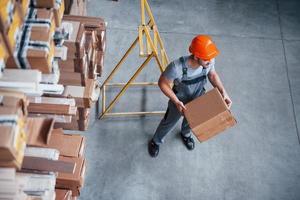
(186, 90)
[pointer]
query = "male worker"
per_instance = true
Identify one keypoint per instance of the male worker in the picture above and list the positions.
(189, 76)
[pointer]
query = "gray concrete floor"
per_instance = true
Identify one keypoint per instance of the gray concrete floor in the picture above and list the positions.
(260, 67)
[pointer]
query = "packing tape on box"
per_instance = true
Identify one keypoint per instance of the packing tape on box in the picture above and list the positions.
(38, 21)
(41, 46)
(32, 13)
(2, 66)
(26, 44)
(8, 120)
(24, 41)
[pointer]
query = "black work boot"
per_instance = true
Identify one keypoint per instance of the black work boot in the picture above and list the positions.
(188, 142)
(153, 149)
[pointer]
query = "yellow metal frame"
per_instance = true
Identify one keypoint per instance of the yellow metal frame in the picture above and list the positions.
(150, 45)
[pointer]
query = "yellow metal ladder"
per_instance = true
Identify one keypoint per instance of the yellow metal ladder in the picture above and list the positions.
(152, 48)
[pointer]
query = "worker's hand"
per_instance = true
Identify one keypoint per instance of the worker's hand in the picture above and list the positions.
(227, 100)
(180, 106)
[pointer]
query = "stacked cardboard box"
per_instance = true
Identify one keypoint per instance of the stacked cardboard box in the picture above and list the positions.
(53, 150)
(78, 72)
(71, 148)
(9, 186)
(40, 93)
(13, 112)
(95, 27)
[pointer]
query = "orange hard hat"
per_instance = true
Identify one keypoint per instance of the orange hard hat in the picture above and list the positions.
(203, 47)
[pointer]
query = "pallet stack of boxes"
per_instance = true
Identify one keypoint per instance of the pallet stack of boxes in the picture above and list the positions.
(49, 64)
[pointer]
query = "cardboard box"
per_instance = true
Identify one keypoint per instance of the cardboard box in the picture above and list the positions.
(9, 111)
(43, 3)
(62, 194)
(69, 145)
(208, 115)
(40, 57)
(99, 62)
(75, 124)
(76, 41)
(71, 180)
(14, 99)
(96, 24)
(84, 96)
(13, 137)
(52, 105)
(42, 19)
(39, 131)
(79, 65)
(83, 113)
(71, 78)
(35, 53)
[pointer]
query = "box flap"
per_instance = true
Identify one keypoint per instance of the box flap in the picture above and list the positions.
(67, 144)
(39, 131)
(71, 179)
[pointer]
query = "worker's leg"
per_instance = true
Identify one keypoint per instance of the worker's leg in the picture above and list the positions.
(185, 128)
(167, 123)
(186, 135)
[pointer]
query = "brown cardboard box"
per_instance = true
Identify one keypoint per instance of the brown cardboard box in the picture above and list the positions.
(69, 145)
(98, 26)
(94, 24)
(62, 194)
(32, 164)
(41, 59)
(208, 115)
(42, 23)
(100, 62)
(38, 54)
(14, 99)
(43, 3)
(79, 65)
(71, 78)
(81, 125)
(76, 179)
(76, 41)
(84, 96)
(7, 151)
(12, 110)
(52, 105)
(56, 118)
(13, 137)
(39, 131)
(83, 113)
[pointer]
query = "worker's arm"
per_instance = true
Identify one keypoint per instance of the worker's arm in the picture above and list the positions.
(216, 82)
(165, 86)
